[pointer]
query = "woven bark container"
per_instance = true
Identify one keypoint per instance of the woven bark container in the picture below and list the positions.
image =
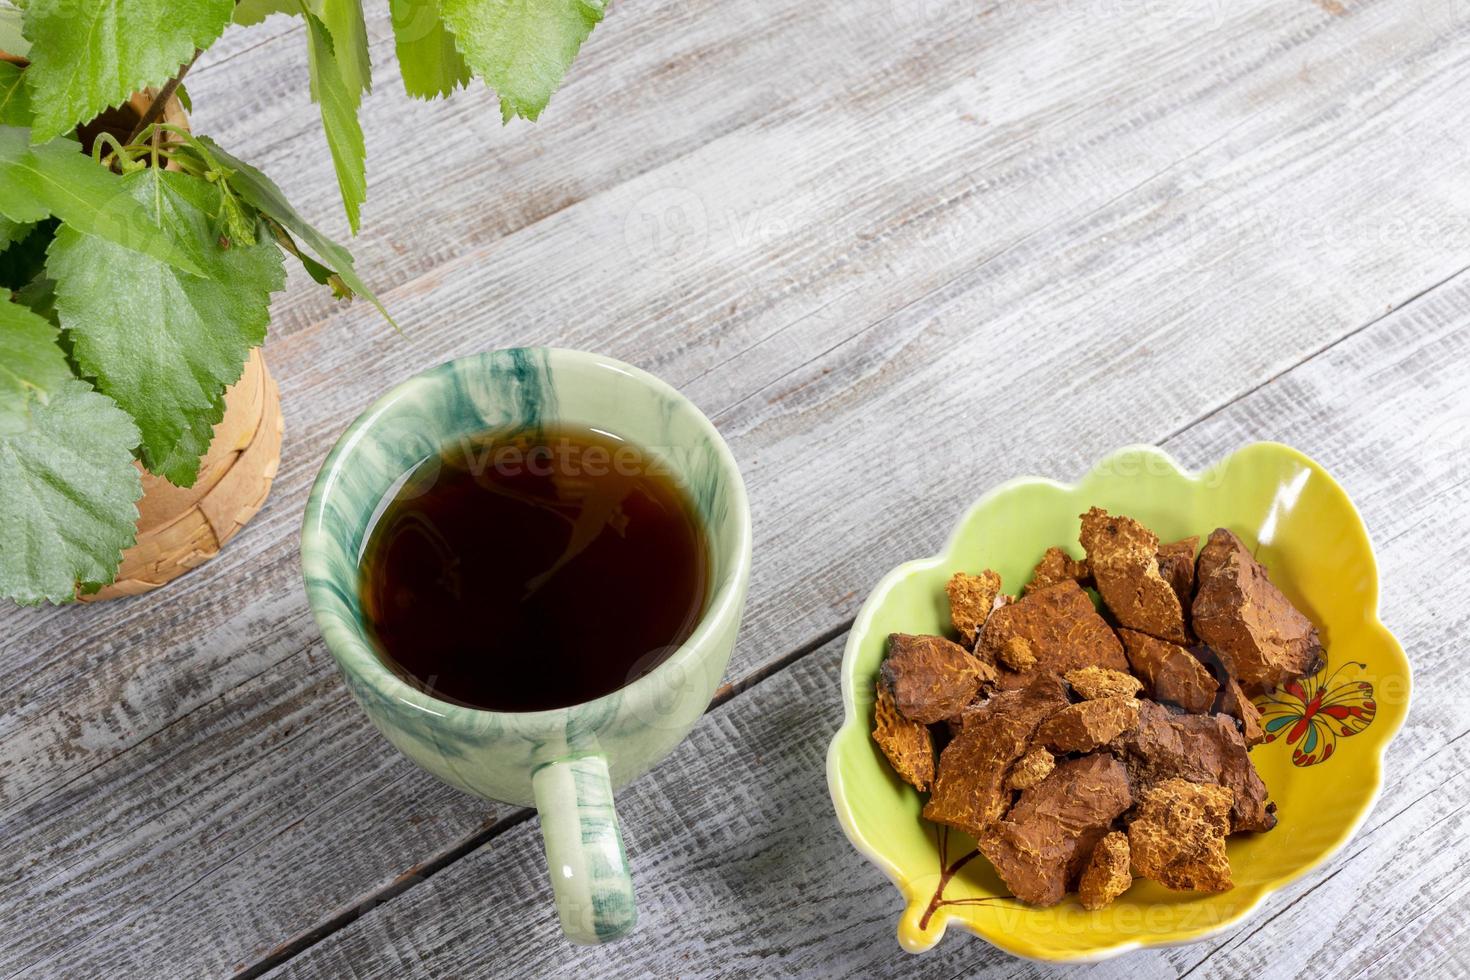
(179, 528)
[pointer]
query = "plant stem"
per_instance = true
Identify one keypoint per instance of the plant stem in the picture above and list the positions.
(155, 108)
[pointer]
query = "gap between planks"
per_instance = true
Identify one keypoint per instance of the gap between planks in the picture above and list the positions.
(423, 871)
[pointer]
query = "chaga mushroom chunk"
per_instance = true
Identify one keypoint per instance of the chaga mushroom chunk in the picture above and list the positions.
(1062, 630)
(1177, 837)
(970, 791)
(1200, 749)
(1234, 703)
(1124, 559)
(931, 678)
(1109, 872)
(1262, 639)
(970, 600)
(907, 744)
(1058, 566)
(1031, 768)
(1171, 672)
(1176, 566)
(1091, 683)
(1088, 725)
(972, 713)
(1041, 846)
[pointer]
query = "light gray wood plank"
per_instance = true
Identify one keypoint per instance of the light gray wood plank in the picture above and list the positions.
(75, 735)
(1332, 386)
(85, 709)
(331, 373)
(743, 870)
(653, 83)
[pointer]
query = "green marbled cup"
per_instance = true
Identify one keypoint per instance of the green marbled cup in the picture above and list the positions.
(565, 762)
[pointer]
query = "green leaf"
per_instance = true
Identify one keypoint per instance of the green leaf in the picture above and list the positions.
(87, 55)
(32, 367)
(521, 47)
(40, 296)
(69, 487)
(432, 66)
(259, 191)
(12, 41)
(248, 13)
(165, 346)
(13, 231)
(339, 118)
(349, 43)
(56, 179)
(15, 101)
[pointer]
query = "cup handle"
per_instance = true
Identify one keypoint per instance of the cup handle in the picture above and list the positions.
(584, 850)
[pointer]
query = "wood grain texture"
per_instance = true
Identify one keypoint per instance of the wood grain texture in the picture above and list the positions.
(1035, 232)
(742, 870)
(1012, 348)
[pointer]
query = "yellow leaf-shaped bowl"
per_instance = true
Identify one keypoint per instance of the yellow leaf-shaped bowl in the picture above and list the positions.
(1323, 766)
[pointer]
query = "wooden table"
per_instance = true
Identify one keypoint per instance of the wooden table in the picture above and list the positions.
(899, 251)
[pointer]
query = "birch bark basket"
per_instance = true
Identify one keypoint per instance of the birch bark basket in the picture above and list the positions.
(180, 528)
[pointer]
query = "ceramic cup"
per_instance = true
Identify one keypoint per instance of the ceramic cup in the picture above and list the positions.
(566, 762)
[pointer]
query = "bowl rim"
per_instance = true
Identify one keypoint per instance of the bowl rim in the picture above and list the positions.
(851, 716)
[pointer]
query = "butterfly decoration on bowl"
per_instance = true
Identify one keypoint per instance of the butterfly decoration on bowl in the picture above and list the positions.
(1314, 712)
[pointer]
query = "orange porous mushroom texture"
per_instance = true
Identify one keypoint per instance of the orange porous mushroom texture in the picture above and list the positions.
(1088, 725)
(970, 600)
(1177, 837)
(1058, 566)
(1124, 558)
(1016, 654)
(1091, 683)
(1108, 873)
(907, 744)
(1031, 768)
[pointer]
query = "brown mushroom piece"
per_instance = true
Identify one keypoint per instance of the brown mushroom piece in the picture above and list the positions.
(1200, 749)
(931, 678)
(1041, 846)
(1262, 639)
(1109, 872)
(970, 791)
(1171, 673)
(1058, 566)
(1233, 702)
(1087, 725)
(1176, 566)
(1031, 768)
(1124, 558)
(1062, 630)
(1091, 683)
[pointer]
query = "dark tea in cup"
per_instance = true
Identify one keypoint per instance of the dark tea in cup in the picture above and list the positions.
(533, 569)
